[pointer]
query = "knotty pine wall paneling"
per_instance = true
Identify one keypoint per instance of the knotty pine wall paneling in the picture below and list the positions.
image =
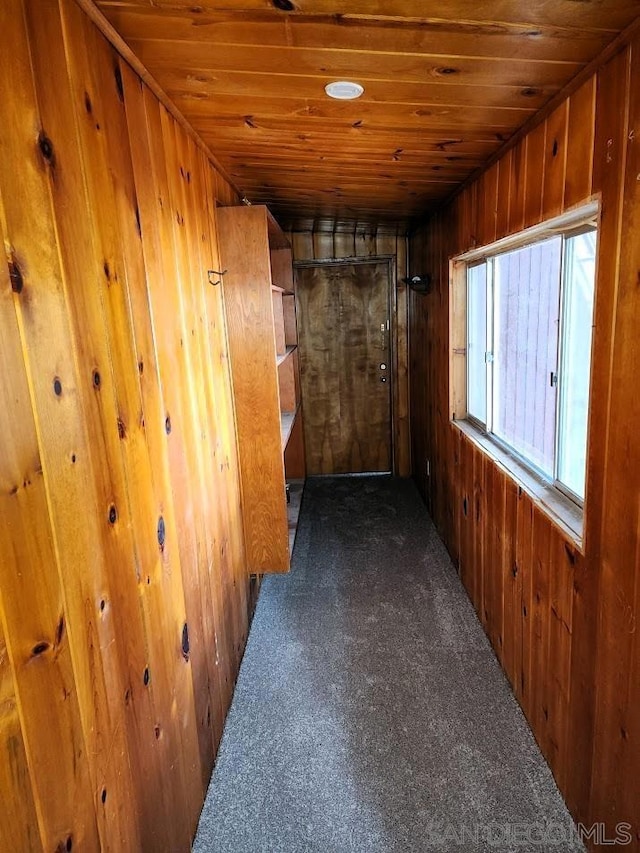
(123, 585)
(561, 618)
(363, 241)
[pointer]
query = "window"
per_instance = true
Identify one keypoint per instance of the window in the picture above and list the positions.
(529, 315)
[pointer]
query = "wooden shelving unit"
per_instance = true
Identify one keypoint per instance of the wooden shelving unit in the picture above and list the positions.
(261, 322)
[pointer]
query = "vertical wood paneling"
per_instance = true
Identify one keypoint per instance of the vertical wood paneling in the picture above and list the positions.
(487, 206)
(521, 637)
(104, 314)
(125, 623)
(566, 617)
(61, 389)
(143, 117)
(511, 633)
(18, 819)
(580, 133)
(322, 244)
(534, 180)
(616, 728)
(503, 195)
(608, 159)
(344, 245)
(162, 599)
(517, 187)
(32, 609)
(555, 160)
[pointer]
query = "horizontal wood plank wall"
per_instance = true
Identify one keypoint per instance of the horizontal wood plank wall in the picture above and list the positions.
(563, 623)
(363, 241)
(124, 595)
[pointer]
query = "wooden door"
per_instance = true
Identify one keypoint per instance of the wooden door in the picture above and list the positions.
(345, 365)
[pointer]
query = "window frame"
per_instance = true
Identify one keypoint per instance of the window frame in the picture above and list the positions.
(576, 231)
(580, 220)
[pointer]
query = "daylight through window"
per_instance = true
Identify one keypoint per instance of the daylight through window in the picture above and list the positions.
(529, 321)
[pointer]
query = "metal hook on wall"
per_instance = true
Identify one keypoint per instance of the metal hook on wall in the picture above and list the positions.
(219, 273)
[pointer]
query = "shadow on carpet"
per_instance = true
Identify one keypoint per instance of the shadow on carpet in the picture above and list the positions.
(370, 713)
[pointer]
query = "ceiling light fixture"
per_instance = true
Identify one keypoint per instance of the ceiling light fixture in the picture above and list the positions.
(343, 90)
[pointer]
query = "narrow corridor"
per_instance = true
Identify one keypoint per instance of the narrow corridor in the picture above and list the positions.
(370, 712)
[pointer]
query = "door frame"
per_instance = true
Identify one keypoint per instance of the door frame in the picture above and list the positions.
(389, 260)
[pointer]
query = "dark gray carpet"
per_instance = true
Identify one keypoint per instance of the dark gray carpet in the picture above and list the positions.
(370, 712)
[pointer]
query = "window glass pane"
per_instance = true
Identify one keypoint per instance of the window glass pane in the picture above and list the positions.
(579, 283)
(477, 342)
(526, 317)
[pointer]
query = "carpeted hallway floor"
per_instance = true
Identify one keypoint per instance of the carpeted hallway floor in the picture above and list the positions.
(370, 712)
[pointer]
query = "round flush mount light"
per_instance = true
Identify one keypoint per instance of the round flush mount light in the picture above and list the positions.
(343, 90)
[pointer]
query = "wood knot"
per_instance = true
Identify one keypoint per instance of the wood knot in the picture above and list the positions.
(15, 276)
(167, 424)
(146, 676)
(185, 641)
(46, 148)
(57, 387)
(97, 380)
(161, 533)
(40, 648)
(119, 84)
(283, 5)
(60, 631)
(113, 514)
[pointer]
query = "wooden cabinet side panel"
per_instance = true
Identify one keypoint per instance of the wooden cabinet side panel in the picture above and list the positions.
(250, 324)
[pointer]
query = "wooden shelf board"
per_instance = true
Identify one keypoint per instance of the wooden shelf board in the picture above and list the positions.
(287, 420)
(286, 354)
(296, 488)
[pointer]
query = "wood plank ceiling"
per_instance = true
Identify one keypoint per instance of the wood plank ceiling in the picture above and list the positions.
(446, 85)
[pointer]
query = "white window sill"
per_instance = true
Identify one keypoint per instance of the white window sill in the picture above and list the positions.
(561, 510)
